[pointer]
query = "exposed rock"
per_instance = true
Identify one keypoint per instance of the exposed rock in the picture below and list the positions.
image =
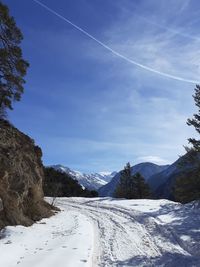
(21, 178)
(1, 205)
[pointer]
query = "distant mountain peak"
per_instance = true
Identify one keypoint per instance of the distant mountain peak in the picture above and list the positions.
(92, 181)
(105, 173)
(146, 169)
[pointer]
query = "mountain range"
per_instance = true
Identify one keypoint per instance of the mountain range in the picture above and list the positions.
(162, 184)
(92, 181)
(161, 178)
(146, 169)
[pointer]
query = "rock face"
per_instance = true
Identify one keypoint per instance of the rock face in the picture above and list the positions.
(21, 178)
(1, 205)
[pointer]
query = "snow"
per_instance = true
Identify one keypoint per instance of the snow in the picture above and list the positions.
(92, 181)
(105, 173)
(63, 240)
(107, 232)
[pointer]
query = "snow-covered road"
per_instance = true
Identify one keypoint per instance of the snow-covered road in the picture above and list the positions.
(107, 232)
(64, 240)
(142, 232)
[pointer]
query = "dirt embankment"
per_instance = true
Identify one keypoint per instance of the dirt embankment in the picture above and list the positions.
(21, 178)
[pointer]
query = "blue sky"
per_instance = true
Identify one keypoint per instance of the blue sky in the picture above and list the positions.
(92, 110)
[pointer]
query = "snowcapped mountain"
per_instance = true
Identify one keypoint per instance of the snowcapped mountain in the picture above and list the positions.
(91, 181)
(106, 176)
(146, 169)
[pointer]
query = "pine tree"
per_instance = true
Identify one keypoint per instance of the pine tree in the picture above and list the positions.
(141, 188)
(195, 121)
(187, 186)
(125, 187)
(131, 186)
(59, 184)
(12, 66)
(3, 113)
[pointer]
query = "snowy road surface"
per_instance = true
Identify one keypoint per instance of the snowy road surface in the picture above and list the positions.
(106, 232)
(64, 240)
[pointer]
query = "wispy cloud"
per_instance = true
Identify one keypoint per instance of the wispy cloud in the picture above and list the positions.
(101, 111)
(116, 52)
(153, 159)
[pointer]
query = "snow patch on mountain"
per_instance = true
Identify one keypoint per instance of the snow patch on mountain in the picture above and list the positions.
(92, 181)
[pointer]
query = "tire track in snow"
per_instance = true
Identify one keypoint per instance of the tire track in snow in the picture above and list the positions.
(119, 237)
(127, 237)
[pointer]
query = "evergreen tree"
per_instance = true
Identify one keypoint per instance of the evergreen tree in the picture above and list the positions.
(58, 184)
(125, 187)
(195, 121)
(187, 186)
(3, 113)
(141, 188)
(131, 186)
(12, 65)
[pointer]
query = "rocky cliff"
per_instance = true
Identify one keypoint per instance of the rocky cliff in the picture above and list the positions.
(21, 178)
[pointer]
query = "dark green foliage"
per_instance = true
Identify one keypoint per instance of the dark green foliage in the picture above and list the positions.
(3, 113)
(125, 186)
(131, 186)
(88, 193)
(58, 184)
(142, 189)
(187, 186)
(12, 65)
(195, 121)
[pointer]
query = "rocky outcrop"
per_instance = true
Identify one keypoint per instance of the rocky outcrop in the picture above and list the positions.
(1, 205)
(21, 178)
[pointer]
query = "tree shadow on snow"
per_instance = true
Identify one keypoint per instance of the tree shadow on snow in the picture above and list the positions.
(166, 260)
(183, 229)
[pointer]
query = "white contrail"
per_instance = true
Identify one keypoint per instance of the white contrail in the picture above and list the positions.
(174, 31)
(115, 52)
